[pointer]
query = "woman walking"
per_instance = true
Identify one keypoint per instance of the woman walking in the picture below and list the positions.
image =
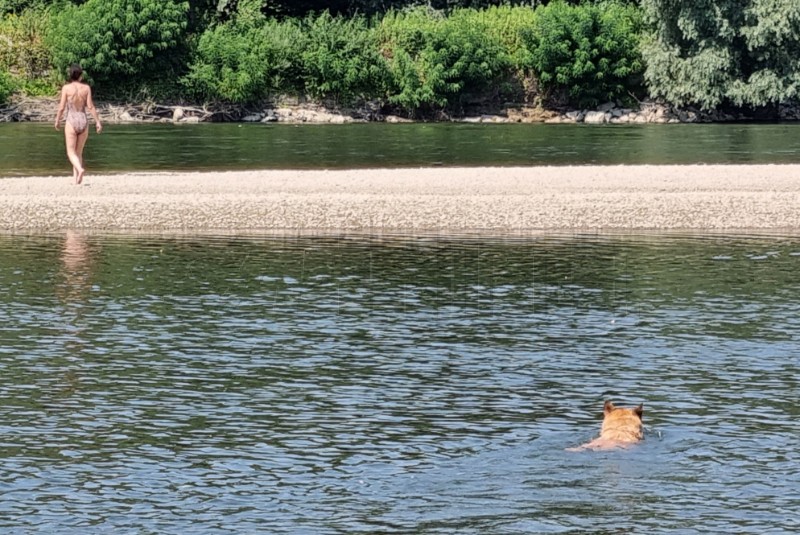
(76, 99)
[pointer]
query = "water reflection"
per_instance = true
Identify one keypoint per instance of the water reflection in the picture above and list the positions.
(403, 385)
(31, 149)
(73, 286)
(76, 269)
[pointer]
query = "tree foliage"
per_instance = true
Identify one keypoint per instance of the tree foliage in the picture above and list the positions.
(511, 26)
(117, 39)
(420, 59)
(18, 6)
(435, 55)
(340, 59)
(245, 60)
(435, 60)
(24, 54)
(301, 8)
(715, 52)
(591, 52)
(7, 86)
(23, 47)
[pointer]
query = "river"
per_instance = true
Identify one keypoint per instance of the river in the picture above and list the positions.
(37, 149)
(407, 384)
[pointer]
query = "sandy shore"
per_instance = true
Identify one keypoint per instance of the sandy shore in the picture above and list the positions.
(758, 197)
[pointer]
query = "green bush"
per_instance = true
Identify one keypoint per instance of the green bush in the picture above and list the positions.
(590, 52)
(23, 48)
(246, 60)
(249, 58)
(7, 86)
(510, 25)
(436, 61)
(116, 41)
(419, 59)
(341, 59)
(18, 6)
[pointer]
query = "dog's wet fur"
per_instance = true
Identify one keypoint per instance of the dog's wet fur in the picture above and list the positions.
(622, 427)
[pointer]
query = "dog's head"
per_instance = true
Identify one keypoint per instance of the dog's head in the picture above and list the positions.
(622, 424)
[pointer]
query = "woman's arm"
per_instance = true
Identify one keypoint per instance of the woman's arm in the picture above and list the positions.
(61, 105)
(90, 106)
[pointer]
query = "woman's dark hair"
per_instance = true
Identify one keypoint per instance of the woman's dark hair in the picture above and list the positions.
(74, 72)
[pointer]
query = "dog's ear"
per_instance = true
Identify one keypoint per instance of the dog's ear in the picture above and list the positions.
(639, 410)
(608, 407)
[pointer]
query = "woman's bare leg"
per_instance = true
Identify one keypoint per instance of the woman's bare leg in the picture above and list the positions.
(72, 140)
(82, 137)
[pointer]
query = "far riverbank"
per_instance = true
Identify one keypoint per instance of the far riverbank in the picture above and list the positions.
(297, 111)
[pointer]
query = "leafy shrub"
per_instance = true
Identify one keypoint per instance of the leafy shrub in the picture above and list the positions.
(23, 48)
(435, 61)
(419, 59)
(510, 25)
(341, 58)
(251, 57)
(7, 86)
(17, 6)
(246, 60)
(118, 40)
(589, 51)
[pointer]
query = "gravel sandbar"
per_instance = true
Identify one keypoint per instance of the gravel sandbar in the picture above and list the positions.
(518, 199)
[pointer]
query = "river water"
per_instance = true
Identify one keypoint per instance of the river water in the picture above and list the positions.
(355, 384)
(37, 149)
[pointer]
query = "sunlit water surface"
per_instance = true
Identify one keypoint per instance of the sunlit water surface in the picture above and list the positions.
(397, 385)
(36, 149)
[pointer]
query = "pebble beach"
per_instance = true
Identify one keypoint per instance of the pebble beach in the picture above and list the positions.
(450, 200)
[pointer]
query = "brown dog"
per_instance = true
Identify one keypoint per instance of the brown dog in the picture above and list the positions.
(621, 428)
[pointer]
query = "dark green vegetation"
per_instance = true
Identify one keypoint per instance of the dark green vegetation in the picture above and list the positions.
(420, 60)
(716, 52)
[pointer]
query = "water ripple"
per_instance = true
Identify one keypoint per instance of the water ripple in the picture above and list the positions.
(329, 385)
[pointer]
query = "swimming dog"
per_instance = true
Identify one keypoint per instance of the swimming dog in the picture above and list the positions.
(622, 427)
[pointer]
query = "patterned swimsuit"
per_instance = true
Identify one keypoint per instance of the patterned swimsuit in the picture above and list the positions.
(77, 119)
